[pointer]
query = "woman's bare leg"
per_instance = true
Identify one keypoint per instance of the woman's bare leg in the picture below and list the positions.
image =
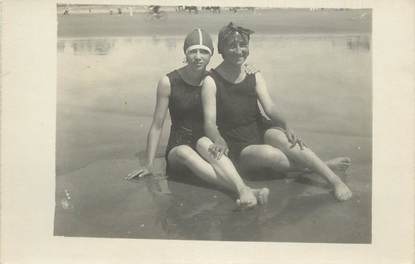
(339, 163)
(307, 159)
(222, 177)
(184, 155)
(255, 157)
(267, 156)
(226, 169)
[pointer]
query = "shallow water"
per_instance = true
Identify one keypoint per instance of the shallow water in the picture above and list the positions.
(303, 73)
(106, 96)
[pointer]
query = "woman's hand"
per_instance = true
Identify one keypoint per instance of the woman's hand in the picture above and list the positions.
(218, 149)
(140, 173)
(250, 69)
(294, 140)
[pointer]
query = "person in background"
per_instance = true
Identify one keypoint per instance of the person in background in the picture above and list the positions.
(155, 9)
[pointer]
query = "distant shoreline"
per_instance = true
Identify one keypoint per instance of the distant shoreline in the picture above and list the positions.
(166, 36)
(273, 21)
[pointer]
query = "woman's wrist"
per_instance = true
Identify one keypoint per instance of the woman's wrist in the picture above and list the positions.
(148, 164)
(283, 125)
(242, 188)
(220, 141)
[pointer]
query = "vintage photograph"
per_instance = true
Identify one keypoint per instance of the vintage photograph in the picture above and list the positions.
(214, 123)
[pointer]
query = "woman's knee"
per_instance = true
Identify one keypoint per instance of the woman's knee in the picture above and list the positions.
(272, 153)
(276, 137)
(181, 154)
(202, 147)
(203, 143)
(263, 154)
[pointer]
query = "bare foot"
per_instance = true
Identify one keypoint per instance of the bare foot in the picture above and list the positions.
(247, 198)
(342, 192)
(339, 164)
(261, 195)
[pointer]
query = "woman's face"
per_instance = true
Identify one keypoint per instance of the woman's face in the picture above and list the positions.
(198, 59)
(236, 49)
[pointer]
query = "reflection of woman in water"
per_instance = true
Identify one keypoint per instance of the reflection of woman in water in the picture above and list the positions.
(234, 122)
(180, 92)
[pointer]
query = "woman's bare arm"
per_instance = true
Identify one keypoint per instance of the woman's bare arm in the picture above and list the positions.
(159, 116)
(267, 103)
(271, 110)
(153, 136)
(209, 112)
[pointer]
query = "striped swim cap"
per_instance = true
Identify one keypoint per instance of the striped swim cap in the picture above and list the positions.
(198, 39)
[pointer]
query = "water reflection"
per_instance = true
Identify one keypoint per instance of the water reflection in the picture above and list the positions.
(195, 210)
(92, 46)
(201, 212)
(96, 201)
(359, 43)
(119, 75)
(105, 45)
(188, 208)
(61, 46)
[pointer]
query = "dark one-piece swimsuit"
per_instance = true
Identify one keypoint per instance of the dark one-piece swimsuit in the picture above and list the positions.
(239, 118)
(185, 107)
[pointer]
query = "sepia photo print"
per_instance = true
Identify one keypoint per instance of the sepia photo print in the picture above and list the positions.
(138, 85)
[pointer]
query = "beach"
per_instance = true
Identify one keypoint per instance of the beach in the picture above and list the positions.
(263, 21)
(318, 66)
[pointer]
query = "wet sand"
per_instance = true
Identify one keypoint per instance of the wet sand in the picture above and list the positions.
(301, 207)
(96, 149)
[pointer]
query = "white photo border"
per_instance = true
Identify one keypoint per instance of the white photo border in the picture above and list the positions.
(28, 136)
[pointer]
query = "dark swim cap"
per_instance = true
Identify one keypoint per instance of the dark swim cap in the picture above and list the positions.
(229, 31)
(198, 39)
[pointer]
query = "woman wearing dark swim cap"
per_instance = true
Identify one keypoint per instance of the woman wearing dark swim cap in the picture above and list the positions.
(188, 150)
(234, 123)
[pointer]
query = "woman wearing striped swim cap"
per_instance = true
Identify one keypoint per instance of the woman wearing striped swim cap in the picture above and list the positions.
(198, 39)
(198, 48)
(188, 152)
